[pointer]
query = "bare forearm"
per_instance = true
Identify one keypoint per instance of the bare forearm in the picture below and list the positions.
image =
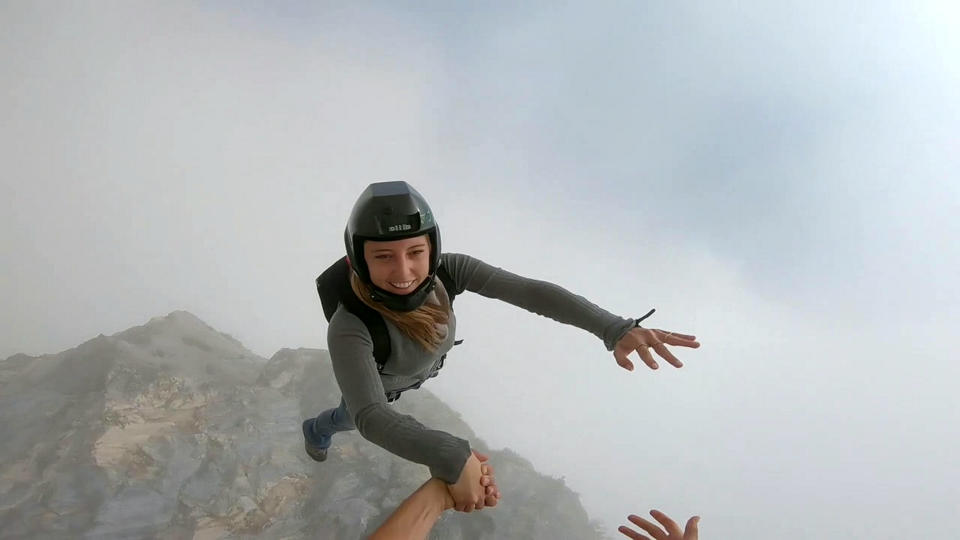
(414, 519)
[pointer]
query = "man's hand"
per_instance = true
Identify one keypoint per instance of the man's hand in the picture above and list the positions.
(643, 339)
(672, 529)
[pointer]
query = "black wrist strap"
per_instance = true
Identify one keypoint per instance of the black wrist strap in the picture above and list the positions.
(649, 313)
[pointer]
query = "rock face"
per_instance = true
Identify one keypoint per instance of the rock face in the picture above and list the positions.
(173, 430)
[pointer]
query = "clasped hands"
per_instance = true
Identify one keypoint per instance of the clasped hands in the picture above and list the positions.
(476, 488)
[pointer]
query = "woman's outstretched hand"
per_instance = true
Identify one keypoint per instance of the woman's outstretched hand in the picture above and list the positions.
(672, 529)
(643, 339)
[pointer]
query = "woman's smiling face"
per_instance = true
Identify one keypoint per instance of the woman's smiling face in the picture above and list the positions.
(398, 266)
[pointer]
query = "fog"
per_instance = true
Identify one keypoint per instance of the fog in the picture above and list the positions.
(779, 181)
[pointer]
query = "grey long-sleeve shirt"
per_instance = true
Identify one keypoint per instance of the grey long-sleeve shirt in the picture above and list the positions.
(351, 352)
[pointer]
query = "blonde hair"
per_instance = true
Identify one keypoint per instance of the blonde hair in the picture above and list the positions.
(419, 324)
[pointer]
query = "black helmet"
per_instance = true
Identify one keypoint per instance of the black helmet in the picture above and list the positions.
(391, 211)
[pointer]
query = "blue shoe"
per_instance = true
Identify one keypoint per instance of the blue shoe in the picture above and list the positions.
(317, 454)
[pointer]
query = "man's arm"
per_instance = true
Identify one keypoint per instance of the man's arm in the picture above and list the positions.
(414, 519)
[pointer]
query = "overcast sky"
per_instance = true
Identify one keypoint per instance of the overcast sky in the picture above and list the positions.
(779, 181)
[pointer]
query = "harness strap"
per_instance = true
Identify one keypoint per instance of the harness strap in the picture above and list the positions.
(395, 394)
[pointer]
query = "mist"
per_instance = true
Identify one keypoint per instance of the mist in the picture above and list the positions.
(779, 181)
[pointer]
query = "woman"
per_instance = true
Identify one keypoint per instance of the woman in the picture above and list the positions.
(393, 249)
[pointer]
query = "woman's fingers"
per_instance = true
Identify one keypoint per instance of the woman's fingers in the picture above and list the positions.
(667, 355)
(622, 360)
(673, 338)
(692, 530)
(644, 352)
(490, 495)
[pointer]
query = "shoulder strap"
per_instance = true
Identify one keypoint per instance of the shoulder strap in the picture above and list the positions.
(333, 286)
(452, 292)
(329, 284)
(448, 283)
